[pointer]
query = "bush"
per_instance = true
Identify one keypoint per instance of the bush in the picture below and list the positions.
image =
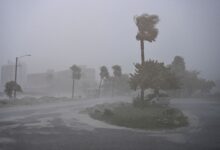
(137, 102)
(148, 100)
(108, 112)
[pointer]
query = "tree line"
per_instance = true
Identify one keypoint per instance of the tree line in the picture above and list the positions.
(148, 74)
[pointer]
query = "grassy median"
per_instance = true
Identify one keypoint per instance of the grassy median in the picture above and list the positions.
(151, 117)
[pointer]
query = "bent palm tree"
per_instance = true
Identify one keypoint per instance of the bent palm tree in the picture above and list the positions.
(76, 76)
(103, 74)
(147, 32)
(117, 73)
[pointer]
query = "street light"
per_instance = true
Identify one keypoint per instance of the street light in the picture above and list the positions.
(16, 66)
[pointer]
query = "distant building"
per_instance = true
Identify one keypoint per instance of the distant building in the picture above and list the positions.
(60, 83)
(8, 74)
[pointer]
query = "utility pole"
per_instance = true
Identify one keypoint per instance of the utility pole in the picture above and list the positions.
(16, 68)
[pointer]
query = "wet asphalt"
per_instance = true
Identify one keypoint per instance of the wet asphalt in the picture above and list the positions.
(59, 127)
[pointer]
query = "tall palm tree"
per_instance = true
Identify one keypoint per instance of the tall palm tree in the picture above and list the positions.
(147, 32)
(117, 73)
(76, 75)
(103, 75)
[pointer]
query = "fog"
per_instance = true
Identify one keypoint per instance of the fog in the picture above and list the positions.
(116, 74)
(59, 33)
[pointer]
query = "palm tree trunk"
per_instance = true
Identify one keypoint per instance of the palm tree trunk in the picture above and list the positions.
(142, 51)
(112, 87)
(16, 68)
(142, 63)
(99, 94)
(73, 90)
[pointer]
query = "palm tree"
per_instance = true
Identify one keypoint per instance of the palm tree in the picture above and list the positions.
(76, 76)
(147, 32)
(116, 70)
(103, 75)
(117, 73)
(10, 87)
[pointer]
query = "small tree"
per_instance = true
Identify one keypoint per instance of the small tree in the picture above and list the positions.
(10, 87)
(103, 75)
(76, 75)
(153, 75)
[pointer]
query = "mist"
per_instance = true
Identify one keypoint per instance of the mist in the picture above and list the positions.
(134, 74)
(59, 34)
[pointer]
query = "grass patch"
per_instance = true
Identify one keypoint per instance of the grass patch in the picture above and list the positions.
(151, 117)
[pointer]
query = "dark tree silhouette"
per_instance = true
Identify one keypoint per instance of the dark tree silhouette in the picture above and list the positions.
(117, 70)
(117, 73)
(206, 86)
(153, 75)
(178, 66)
(76, 75)
(147, 32)
(103, 75)
(190, 80)
(10, 87)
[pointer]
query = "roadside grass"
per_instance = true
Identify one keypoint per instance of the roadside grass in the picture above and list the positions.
(151, 117)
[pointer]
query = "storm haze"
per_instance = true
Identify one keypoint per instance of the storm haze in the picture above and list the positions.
(109, 74)
(59, 33)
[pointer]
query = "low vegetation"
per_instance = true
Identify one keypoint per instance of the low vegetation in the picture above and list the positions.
(150, 117)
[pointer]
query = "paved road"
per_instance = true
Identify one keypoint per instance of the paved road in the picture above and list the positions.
(60, 126)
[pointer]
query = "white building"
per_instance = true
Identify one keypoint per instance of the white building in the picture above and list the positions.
(60, 82)
(8, 74)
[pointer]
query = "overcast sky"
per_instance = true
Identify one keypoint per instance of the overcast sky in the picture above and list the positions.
(60, 33)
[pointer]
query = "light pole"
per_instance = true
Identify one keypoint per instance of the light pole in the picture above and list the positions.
(16, 68)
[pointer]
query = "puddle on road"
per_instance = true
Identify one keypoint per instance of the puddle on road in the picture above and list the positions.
(5, 140)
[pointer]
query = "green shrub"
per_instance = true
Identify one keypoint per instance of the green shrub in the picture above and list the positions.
(149, 117)
(108, 112)
(137, 102)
